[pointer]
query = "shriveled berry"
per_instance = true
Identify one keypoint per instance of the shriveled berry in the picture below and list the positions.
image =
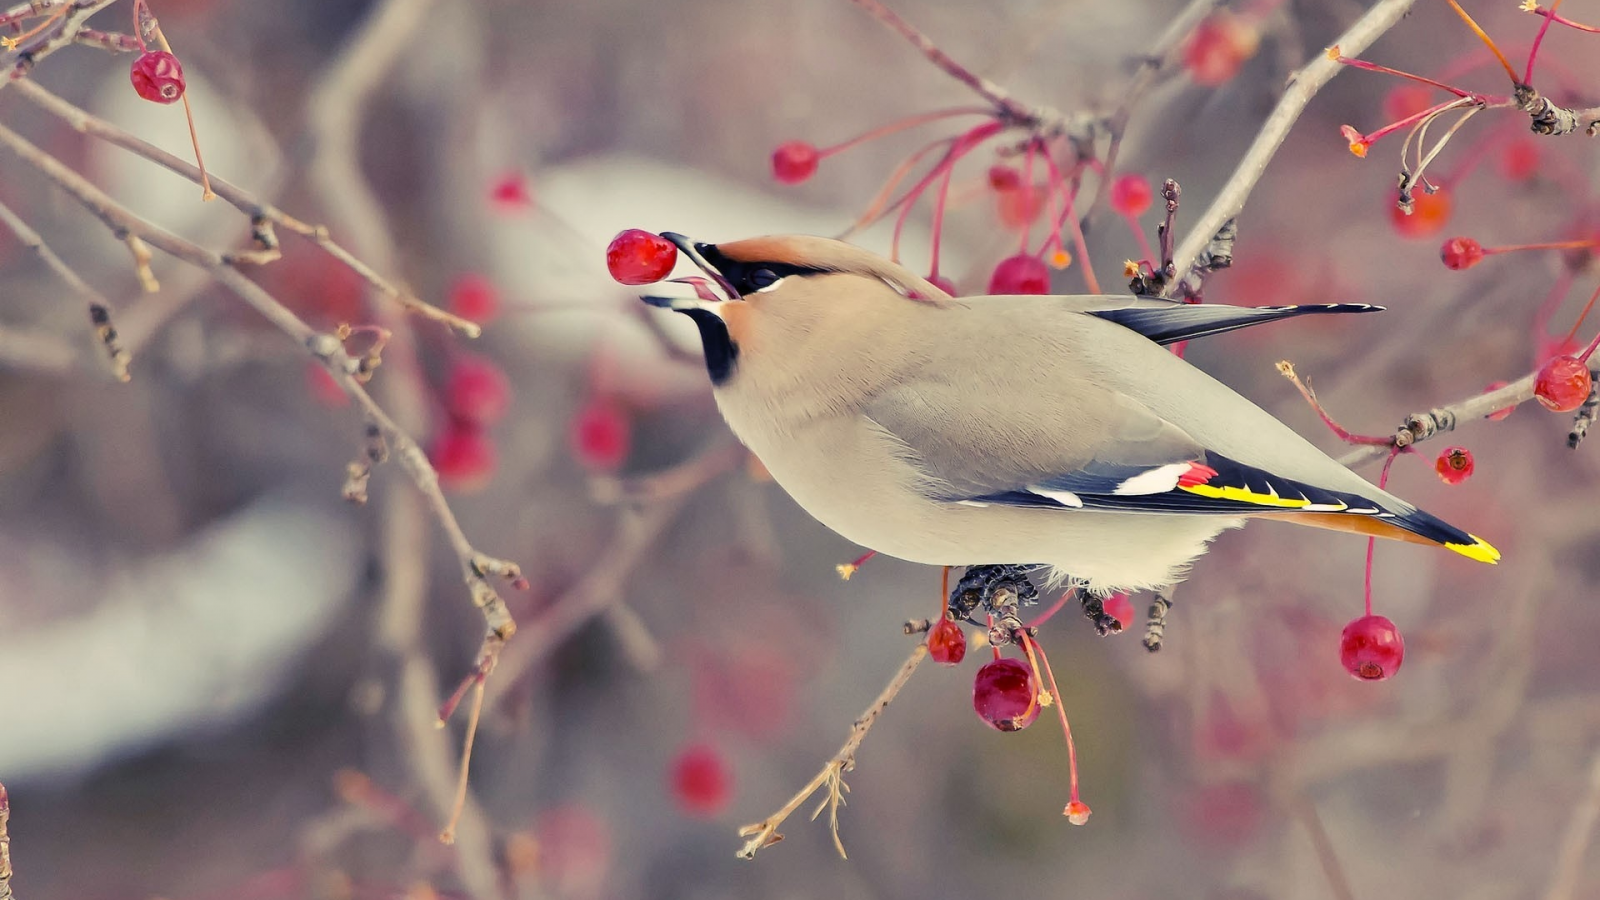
(1119, 607)
(1454, 465)
(1429, 214)
(157, 76)
(601, 436)
(474, 297)
(794, 162)
(1004, 696)
(947, 643)
(1131, 195)
(1461, 253)
(1563, 384)
(477, 391)
(1020, 274)
(1371, 648)
(464, 457)
(701, 782)
(639, 257)
(1219, 47)
(1498, 415)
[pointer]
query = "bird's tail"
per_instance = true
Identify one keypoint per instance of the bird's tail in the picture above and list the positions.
(1403, 522)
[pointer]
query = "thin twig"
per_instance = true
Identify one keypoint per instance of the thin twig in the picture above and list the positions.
(764, 834)
(99, 307)
(1574, 845)
(1304, 85)
(1421, 426)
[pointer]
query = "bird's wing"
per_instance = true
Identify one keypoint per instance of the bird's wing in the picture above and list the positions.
(1169, 321)
(1104, 451)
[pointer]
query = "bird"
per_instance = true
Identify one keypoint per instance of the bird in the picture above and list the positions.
(1041, 430)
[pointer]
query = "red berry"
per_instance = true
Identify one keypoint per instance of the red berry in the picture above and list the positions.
(1371, 648)
(464, 457)
(1429, 213)
(474, 297)
(1131, 195)
(601, 436)
(157, 76)
(1020, 274)
(1498, 415)
(1454, 465)
(794, 162)
(1406, 100)
(1119, 607)
(1219, 47)
(1004, 696)
(1004, 178)
(701, 782)
(575, 851)
(943, 284)
(1461, 253)
(639, 257)
(510, 192)
(947, 643)
(1017, 206)
(477, 392)
(1563, 384)
(1519, 161)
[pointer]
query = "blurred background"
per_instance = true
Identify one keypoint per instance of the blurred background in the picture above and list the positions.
(218, 679)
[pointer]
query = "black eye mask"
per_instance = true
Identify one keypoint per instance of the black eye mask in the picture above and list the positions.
(749, 277)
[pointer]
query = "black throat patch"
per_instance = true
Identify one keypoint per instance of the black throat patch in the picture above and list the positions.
(721, 352)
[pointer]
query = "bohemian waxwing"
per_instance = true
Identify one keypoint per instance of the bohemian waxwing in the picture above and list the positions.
(1031, 429)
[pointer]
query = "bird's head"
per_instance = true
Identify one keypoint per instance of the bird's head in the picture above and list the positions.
(799, 306)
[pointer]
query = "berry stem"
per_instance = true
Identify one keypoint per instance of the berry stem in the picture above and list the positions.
(1487, 41)
(1383, 482)
(1547, 311)
(1054, 608)
(448, 834)
(880, 203)
(989, 621)
(1029, 186)
(850, 568)
(1550, 14)
(1374, 67)
(1533, 53)
(1069, 214)
(1144, 242)
(188, 114)
(1573, 334)
(1552, 245)
(1030, 645)
(1286, 369)
(905, 124)
(938, 232)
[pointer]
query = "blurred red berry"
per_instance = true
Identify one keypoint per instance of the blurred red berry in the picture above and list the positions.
(1454, 465)
(943, 284)
(1429, 214)
(510, 193)
(477, 392)
(1563, 384)
(464, 458)
(474, 297)
(794, 162)
(1020, 274)
(1221, 814)
(1519, 160)
(1219, 47)
(1498, 415)
(574, 850)
(1003, 695)
(1019, 206)
(1119, 607)
(1371, 648)
(1406, 101)
(701, 782)
(1461, 253)
(601, 436)
(947, 643)
(1004, 178)
(1131, 195)
(323, 386)
(157, 76)
(639, 257)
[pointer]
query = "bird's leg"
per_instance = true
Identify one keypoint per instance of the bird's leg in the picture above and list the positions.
(1156, 629)
(995, 590)
(1095, 611)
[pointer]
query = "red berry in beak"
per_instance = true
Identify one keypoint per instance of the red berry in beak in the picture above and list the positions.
(639, 257)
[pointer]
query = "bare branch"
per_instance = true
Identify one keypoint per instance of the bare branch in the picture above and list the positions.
(764, 833)
(1420, 426)
(99, 306)
(1304, 85)
(5, 845)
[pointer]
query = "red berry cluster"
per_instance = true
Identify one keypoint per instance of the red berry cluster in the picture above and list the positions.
(476, 396)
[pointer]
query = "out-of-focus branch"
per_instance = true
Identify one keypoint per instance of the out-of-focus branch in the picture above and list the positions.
(5, 845)
(99, 306)
(1574, 846)
(257, 209)
(1304, 85)
(764, 833)
(1420, 426)
(58, 34)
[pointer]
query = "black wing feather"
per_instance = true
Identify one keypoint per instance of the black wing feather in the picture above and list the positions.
(1186, 321)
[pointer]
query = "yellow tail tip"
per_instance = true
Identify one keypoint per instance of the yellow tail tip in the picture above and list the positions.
(1481, 550)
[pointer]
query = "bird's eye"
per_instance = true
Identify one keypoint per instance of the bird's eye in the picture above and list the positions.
(762, 279)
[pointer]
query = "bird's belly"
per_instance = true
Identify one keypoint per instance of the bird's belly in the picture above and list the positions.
(852, 480)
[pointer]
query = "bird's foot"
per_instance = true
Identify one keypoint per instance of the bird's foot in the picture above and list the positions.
(996, 591)
(1095, 611)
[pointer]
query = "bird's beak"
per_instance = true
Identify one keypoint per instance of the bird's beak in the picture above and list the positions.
(698, 253)
(683, 304)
